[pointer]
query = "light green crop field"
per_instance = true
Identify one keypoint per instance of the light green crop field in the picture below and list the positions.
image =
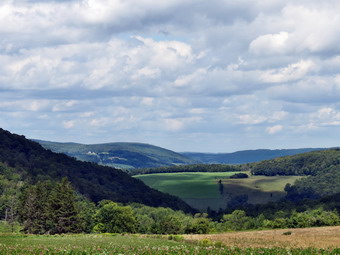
(186, 185)
(201, 190)
(128, 245)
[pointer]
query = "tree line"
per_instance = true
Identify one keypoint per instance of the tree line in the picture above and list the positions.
(190, 168)
(55, 208)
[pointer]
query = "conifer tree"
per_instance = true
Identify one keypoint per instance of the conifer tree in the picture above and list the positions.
(63, 211)
(48, 208)
(35, 213)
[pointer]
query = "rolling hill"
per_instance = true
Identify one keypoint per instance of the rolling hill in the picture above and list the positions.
(139, 155)
(242, 157)
(34, 163)
(120, 155)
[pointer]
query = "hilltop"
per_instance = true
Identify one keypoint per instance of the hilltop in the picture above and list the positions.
(34, 163)
(120, 155)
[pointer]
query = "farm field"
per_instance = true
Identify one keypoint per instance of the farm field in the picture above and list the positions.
(320, 237)
(129, 244)
(201, 190)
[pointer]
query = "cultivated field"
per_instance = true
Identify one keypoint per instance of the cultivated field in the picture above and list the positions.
(321, 237)
(201, 190)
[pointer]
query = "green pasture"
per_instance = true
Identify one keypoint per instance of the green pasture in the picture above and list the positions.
(201, 190)
(128, 245)
(186, 185)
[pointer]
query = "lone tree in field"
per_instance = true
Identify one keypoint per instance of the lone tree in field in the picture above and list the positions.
(220, 187)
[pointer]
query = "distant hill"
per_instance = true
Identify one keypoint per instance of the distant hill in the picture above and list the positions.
(34, 163)
(120, 155)
(246, 156)
(309, 163)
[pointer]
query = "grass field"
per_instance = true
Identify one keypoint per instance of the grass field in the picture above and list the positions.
(118, 244)
(201, 190)
(321, 237)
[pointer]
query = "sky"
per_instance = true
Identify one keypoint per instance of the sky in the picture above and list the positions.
(186, 75)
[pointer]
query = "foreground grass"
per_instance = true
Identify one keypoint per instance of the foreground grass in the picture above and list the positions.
(108, 244)
(201, 190)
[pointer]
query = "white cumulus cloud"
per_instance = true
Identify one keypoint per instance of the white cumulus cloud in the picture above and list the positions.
(274, 129)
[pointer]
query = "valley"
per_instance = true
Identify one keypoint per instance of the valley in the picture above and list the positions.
(49, 200)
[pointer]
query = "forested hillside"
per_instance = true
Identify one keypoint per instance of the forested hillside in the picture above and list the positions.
(120, 155)
(321, 167)
(32, 163)
(311, 163)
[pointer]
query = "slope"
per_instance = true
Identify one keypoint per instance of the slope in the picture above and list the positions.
(35, 163)
(120, 155)
(321, 167)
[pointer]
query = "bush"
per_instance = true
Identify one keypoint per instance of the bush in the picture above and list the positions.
(205, 242)
(239, 176)
(177, 238)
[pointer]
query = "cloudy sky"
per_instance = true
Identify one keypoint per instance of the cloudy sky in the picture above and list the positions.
(187, 75)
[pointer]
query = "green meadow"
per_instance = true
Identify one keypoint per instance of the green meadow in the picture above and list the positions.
(201, 190)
